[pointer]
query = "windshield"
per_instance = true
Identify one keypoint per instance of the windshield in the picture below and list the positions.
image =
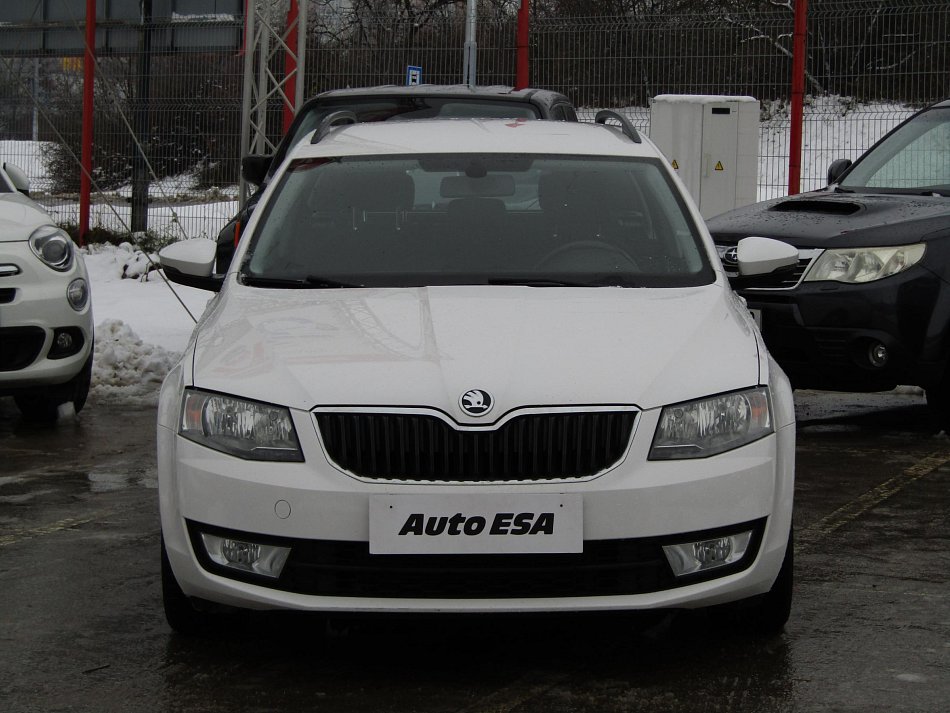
(476, 219)
(916, 158)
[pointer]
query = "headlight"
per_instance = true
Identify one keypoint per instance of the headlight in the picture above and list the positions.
(53, 246)
(864, 264)
(702, 428)
(246, 429)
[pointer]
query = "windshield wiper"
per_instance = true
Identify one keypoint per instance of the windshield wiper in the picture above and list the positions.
(535, 282)
(604, 281)
(311, 281)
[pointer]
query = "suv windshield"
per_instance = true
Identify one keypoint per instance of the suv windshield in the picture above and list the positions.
(915, 158)
(476, 219)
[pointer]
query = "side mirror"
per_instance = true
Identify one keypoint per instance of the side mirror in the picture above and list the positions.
(190, 263)
(18, 178)
(762, 256)
(837, 168)
(254, 168)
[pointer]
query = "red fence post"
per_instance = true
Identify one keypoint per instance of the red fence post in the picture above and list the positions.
(290, 64)
(88, 95)
(798, 97)
(521, 79)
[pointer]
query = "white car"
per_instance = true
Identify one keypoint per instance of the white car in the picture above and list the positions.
(46, 327)
(475, 366)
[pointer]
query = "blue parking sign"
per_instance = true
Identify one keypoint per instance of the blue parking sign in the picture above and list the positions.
(413, 75)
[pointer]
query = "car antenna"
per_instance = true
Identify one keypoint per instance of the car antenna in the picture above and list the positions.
(335, 118)
(629, 129)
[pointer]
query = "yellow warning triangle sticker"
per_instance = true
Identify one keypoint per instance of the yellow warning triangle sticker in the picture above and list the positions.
(675, 164)
(719, 166)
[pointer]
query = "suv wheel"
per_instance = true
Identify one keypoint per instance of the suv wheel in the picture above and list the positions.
(938, 400)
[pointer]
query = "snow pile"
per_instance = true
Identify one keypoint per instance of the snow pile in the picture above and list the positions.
(124, 368)
(147, 304)
(141, 327)
(135, 263)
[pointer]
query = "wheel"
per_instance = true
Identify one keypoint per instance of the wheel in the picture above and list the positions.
(938, 401)
(768, 613)
(180, 613)
(42, 405)
(574, 254)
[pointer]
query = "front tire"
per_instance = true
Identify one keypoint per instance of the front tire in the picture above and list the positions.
(938, 401)
(42, 405)
(768, 613)
(180, 613)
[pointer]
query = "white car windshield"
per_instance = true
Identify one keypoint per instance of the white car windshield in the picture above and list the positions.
(476, 219)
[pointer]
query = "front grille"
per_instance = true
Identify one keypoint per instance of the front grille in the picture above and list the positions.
(424, 447)
(605, 567)
(20, 346)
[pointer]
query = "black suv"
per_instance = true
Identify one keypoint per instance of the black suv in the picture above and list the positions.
(423, 101)
(868, 307)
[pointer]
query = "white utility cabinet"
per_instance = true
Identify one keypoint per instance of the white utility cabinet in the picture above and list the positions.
(713, 143)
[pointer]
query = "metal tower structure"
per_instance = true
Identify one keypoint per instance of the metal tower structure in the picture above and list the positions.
(275, 48)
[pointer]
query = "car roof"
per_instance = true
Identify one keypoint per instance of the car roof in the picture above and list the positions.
(453, 136)
(499, 92)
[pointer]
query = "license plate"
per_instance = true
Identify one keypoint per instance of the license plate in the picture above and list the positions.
(757, 316)
(475, 523)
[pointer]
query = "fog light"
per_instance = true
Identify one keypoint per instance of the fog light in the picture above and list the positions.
(77, 294)
(266, 560)
(877, 354)
(690, 557)
(64, 341)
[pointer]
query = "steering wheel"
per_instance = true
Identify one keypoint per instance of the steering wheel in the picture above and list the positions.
(605, 256)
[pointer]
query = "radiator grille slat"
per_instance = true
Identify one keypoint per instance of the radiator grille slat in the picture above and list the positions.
(393, 446)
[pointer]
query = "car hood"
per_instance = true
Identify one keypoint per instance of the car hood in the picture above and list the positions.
(427, 346)
(19, 217)
(824, 219)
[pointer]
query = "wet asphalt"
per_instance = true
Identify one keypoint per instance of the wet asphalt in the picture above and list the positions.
(81, 626)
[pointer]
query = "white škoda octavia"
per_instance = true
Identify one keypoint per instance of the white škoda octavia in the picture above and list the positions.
(475, 366)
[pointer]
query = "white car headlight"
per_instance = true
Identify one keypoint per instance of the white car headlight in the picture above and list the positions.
(53, 246)
(242, 428)
(705, 427)
(855, 265)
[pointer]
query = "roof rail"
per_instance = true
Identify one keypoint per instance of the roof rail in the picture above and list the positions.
(629, 129)
(334, 118)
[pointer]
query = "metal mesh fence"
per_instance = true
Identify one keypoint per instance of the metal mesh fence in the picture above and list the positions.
(869, 64)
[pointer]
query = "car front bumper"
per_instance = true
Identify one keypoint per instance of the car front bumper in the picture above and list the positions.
(33, 311)
(629, 512)
(829, 335)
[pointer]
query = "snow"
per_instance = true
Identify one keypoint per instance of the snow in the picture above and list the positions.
(141, 327)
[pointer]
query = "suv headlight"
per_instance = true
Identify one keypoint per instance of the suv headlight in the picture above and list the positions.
(246, 429)
(856, 265)
(53, 246)
(705, 427)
